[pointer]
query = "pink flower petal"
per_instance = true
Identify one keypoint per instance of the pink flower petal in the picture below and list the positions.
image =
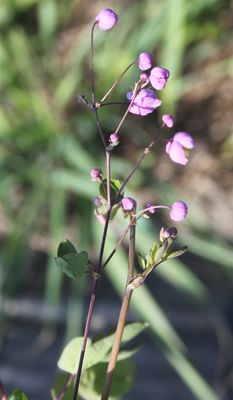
(185, 139)
(144, 103)
(158, 77)
(176, 152)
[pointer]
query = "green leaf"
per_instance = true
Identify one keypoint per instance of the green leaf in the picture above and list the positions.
(73, 265)
(176, 253)
(92, 381)
(95, 352)
(151, 256)
(65, 247)
(18, 395)
(115, 186)
(59, 383)
(141, 261)
(124, 354)
(69, 358)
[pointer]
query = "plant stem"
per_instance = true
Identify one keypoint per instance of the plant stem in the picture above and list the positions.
(117, 343)
(135, 92)
(118, 244)
(112, 103)
(132, 234)
(92, 64)
(108, 173)
(136, 167)
(91, 306)
(116, 82)
(123, 313)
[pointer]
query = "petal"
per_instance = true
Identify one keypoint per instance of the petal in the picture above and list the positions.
(168, 120)
(176, 152)
(158, 77)
(185, 139)
(145, 102)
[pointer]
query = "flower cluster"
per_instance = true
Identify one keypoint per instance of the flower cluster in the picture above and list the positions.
(143, 100)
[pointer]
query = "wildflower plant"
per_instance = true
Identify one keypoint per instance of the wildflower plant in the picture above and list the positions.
(80, 355)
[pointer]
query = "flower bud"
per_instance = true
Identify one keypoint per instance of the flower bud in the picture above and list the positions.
(167, 233)
(144, 77)
(179, 210)
(128, 204)
(168, 120)
(106, 19)
(158, 77)
(114, 138)
(96, 174)
(145, 61)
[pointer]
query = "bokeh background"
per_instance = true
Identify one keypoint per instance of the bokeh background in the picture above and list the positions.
(49, 143)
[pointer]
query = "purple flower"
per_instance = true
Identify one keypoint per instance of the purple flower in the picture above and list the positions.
(96, 174)
(145, 61)
(177, 147)
(179, 210)
(144, 103)
(106, 19)
(158, 77)
(128, 204)
(168, 120)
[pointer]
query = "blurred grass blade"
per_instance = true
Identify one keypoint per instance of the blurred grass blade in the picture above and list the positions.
(47, 18)
(53, 279)
(173, 48)
(76, 183)
(211, 248)
(198, 386)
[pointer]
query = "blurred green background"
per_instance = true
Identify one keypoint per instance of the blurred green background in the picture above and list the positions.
(49, 143)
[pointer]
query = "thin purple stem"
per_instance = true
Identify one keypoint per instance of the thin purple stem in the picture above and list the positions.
(112, 103)
(135, 92)
(108, 173)
(91, 306)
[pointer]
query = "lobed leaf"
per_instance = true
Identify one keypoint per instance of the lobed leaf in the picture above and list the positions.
(18, 395)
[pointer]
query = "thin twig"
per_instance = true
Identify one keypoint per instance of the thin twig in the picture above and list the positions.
(135, 92)
(116, 82)
(108, 173)
(132, 234)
